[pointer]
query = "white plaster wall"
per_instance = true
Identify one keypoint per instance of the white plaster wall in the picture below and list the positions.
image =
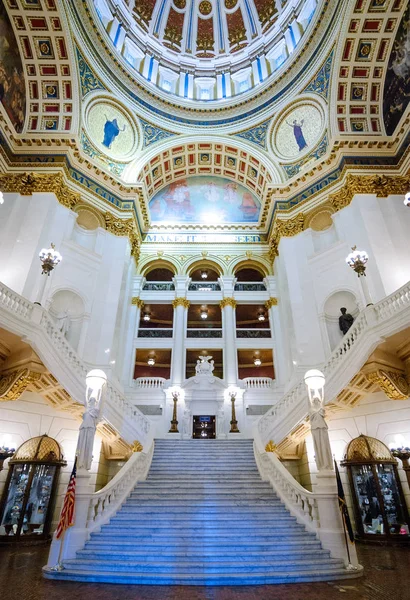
(32, 416)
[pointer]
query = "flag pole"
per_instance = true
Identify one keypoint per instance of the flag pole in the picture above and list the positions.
(59, 566)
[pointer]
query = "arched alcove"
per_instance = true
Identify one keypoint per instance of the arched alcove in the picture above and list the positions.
(332, 307)
(162, 273)
(67, 309)
(249, 273)
(205, 267)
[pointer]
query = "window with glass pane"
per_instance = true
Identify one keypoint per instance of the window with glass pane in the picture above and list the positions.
(391, 498)
(38, 500)
(368, 499)
(15, 500)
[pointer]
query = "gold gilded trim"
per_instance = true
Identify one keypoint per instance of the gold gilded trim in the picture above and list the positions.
(392, 383)
(137, 446)
(270, 447)
(137, 302)
(227, 302)
(15, 383)
(181, 302)
(271, 302)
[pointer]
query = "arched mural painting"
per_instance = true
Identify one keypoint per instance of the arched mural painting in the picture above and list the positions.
(397, 85)
(12, 86)
(204, 199)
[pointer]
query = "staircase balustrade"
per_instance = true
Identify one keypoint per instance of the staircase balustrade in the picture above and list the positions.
(105, 503)
(385, 318)
(39, 330)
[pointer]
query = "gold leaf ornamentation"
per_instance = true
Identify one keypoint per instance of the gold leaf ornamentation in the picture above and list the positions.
(137, 302)
(13, 384)
(392, 383)
(227, 302)
(181, 302)
(271, 302)
(137, 446)
(270, 447)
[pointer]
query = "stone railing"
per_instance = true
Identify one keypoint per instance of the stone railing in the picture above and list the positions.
(301, 503)
(258, 383)
(149, 383)
(385, 318)
(32, 322)
(105, 503)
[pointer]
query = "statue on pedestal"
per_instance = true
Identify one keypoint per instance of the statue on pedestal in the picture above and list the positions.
(186, 427)
(204, 365)
(86, 435)
(63, 322)
(345, 321)
(320, 435)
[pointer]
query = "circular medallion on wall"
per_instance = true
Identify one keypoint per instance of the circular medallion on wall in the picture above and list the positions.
(111, 129)
(298, 130)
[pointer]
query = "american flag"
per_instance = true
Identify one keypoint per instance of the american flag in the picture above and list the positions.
(67, 513)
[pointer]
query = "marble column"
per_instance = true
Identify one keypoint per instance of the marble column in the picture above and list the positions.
(228, 306)
(135, 316)
(178, 353)
(279, 355)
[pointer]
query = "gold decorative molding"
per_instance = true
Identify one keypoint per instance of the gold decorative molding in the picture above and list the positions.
(27, 184)
(287, 228)
(124, 227)
(392, 383)
(381, 185)
(271, 302)
(13, 384)
(137, 446)
(181, 302)
(270, 447)
(137, 302)
(227, 302)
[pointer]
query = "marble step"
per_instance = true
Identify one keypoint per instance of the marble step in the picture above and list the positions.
(188, 493)
(221, 503)
(194, 555)
(195, 521)
(234, 512)
(244, 566)
(147, 578)
(172, 546)
(190, 539)
(215, 529)
(199, 486)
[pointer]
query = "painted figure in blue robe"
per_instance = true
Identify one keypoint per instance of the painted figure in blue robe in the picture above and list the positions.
(298, 133)
(111, 130)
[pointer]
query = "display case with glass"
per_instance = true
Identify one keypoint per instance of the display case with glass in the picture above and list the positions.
(28, 499)
(378, 499)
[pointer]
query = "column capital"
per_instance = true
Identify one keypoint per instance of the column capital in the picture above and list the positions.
(227, 302)
(271, 302)
(181, 302)
(137, 302)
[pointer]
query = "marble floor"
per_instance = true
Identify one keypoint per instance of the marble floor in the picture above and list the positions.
(387, 577)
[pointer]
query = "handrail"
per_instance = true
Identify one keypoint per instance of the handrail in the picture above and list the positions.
(301, 503)
(106, 502)
(387, 317)
(24, 318)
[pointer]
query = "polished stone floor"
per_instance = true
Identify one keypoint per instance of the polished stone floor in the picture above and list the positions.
(387, 577)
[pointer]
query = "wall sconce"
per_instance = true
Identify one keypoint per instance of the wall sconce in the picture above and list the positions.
(151, 361)
(146, 317)
(257, 362)
(204, 274)
(261, 315)
(204, 313)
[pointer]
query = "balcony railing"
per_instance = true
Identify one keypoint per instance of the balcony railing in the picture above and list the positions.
(211, 286)
(149, 383)
(204, 333)
(258, 383)
(158, 286)
(155, 333)
(253, 333)
(250, 287)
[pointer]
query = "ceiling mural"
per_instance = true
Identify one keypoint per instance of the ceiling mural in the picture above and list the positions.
(298, 131)
(204, 199)
(111, 130)
(12, 85)
(397, 84)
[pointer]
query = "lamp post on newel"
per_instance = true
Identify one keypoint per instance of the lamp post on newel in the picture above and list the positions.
(174, 421)
(331, 530)
(357, 260)
(233, 422)
(49, 258)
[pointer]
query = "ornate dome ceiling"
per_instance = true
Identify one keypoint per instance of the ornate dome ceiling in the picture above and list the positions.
(206, 49)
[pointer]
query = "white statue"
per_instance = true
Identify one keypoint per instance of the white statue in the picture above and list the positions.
(63, 322)
(220, 423)
(320, 435)
(204, 366)
(187, 423)
(86, 435)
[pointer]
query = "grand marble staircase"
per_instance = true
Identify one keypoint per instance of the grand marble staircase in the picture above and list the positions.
(202, 517)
